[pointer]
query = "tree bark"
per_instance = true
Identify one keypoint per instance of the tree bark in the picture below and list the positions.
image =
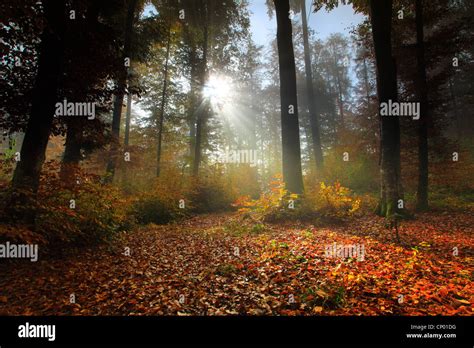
(422, 192)
(192, 114)
(72, 151)
(338, 86)
(457, 118)
(381, 16)
(291, 152)
(201, 114)
(163, 105)
(26, 177)
(128, 119)
(121, 86)
(366, 83)
(313, 111)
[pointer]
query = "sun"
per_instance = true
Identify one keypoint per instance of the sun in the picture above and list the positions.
(218, 89)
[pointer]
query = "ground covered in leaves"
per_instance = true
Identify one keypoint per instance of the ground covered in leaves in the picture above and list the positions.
(220, 265)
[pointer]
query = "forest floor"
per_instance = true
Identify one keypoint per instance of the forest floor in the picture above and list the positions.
(218, 265)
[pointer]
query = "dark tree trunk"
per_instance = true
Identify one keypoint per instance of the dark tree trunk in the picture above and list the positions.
(291, 159)
(381, 17)
(422, 89)
(75, 126)
(121, 86)
(72, 151)
(163, 106)
(33, 152)
(457, 118)
(313, 111)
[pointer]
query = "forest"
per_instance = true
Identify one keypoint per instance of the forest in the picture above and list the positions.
(156, 158)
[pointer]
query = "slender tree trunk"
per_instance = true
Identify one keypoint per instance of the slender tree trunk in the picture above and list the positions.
(309, 140)
(313, 112)
(333, 119)
(422, 192)
(126, 139)
(26, 177)
(201, 115)
(128, 119)
(253, 117)
(338, 87)
(381, 17)
(192, 94)
(192, 114)
(121, 86)
(366, 83)
(459, 128)
(339, 100)
(292, 173)
(163, 106)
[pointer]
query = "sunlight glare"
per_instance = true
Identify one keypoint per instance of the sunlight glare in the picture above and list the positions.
(218, 89)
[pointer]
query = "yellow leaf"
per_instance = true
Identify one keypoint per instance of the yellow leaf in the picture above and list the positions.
(317, 309)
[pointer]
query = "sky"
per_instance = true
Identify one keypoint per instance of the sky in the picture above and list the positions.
(263, 29)
(339, 20)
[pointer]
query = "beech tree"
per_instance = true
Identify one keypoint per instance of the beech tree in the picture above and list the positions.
(381, 18)
(422, 92)
(50, 67)
(291, 152)
(121, 86)
(311, 101)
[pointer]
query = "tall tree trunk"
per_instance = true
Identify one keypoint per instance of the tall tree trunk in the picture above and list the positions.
(291, 159)
(75, 126)
(201, 115)
(193, 61)
(33, 151)
(72, 151)
(457, 118)
(366, 83)
(381, 17)
(126, 139)
(338, 87)
(163, 106)
(340, 101)
(121, 86)
(313, 111)
(128, 119)
(422, 192)
(192, 114)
